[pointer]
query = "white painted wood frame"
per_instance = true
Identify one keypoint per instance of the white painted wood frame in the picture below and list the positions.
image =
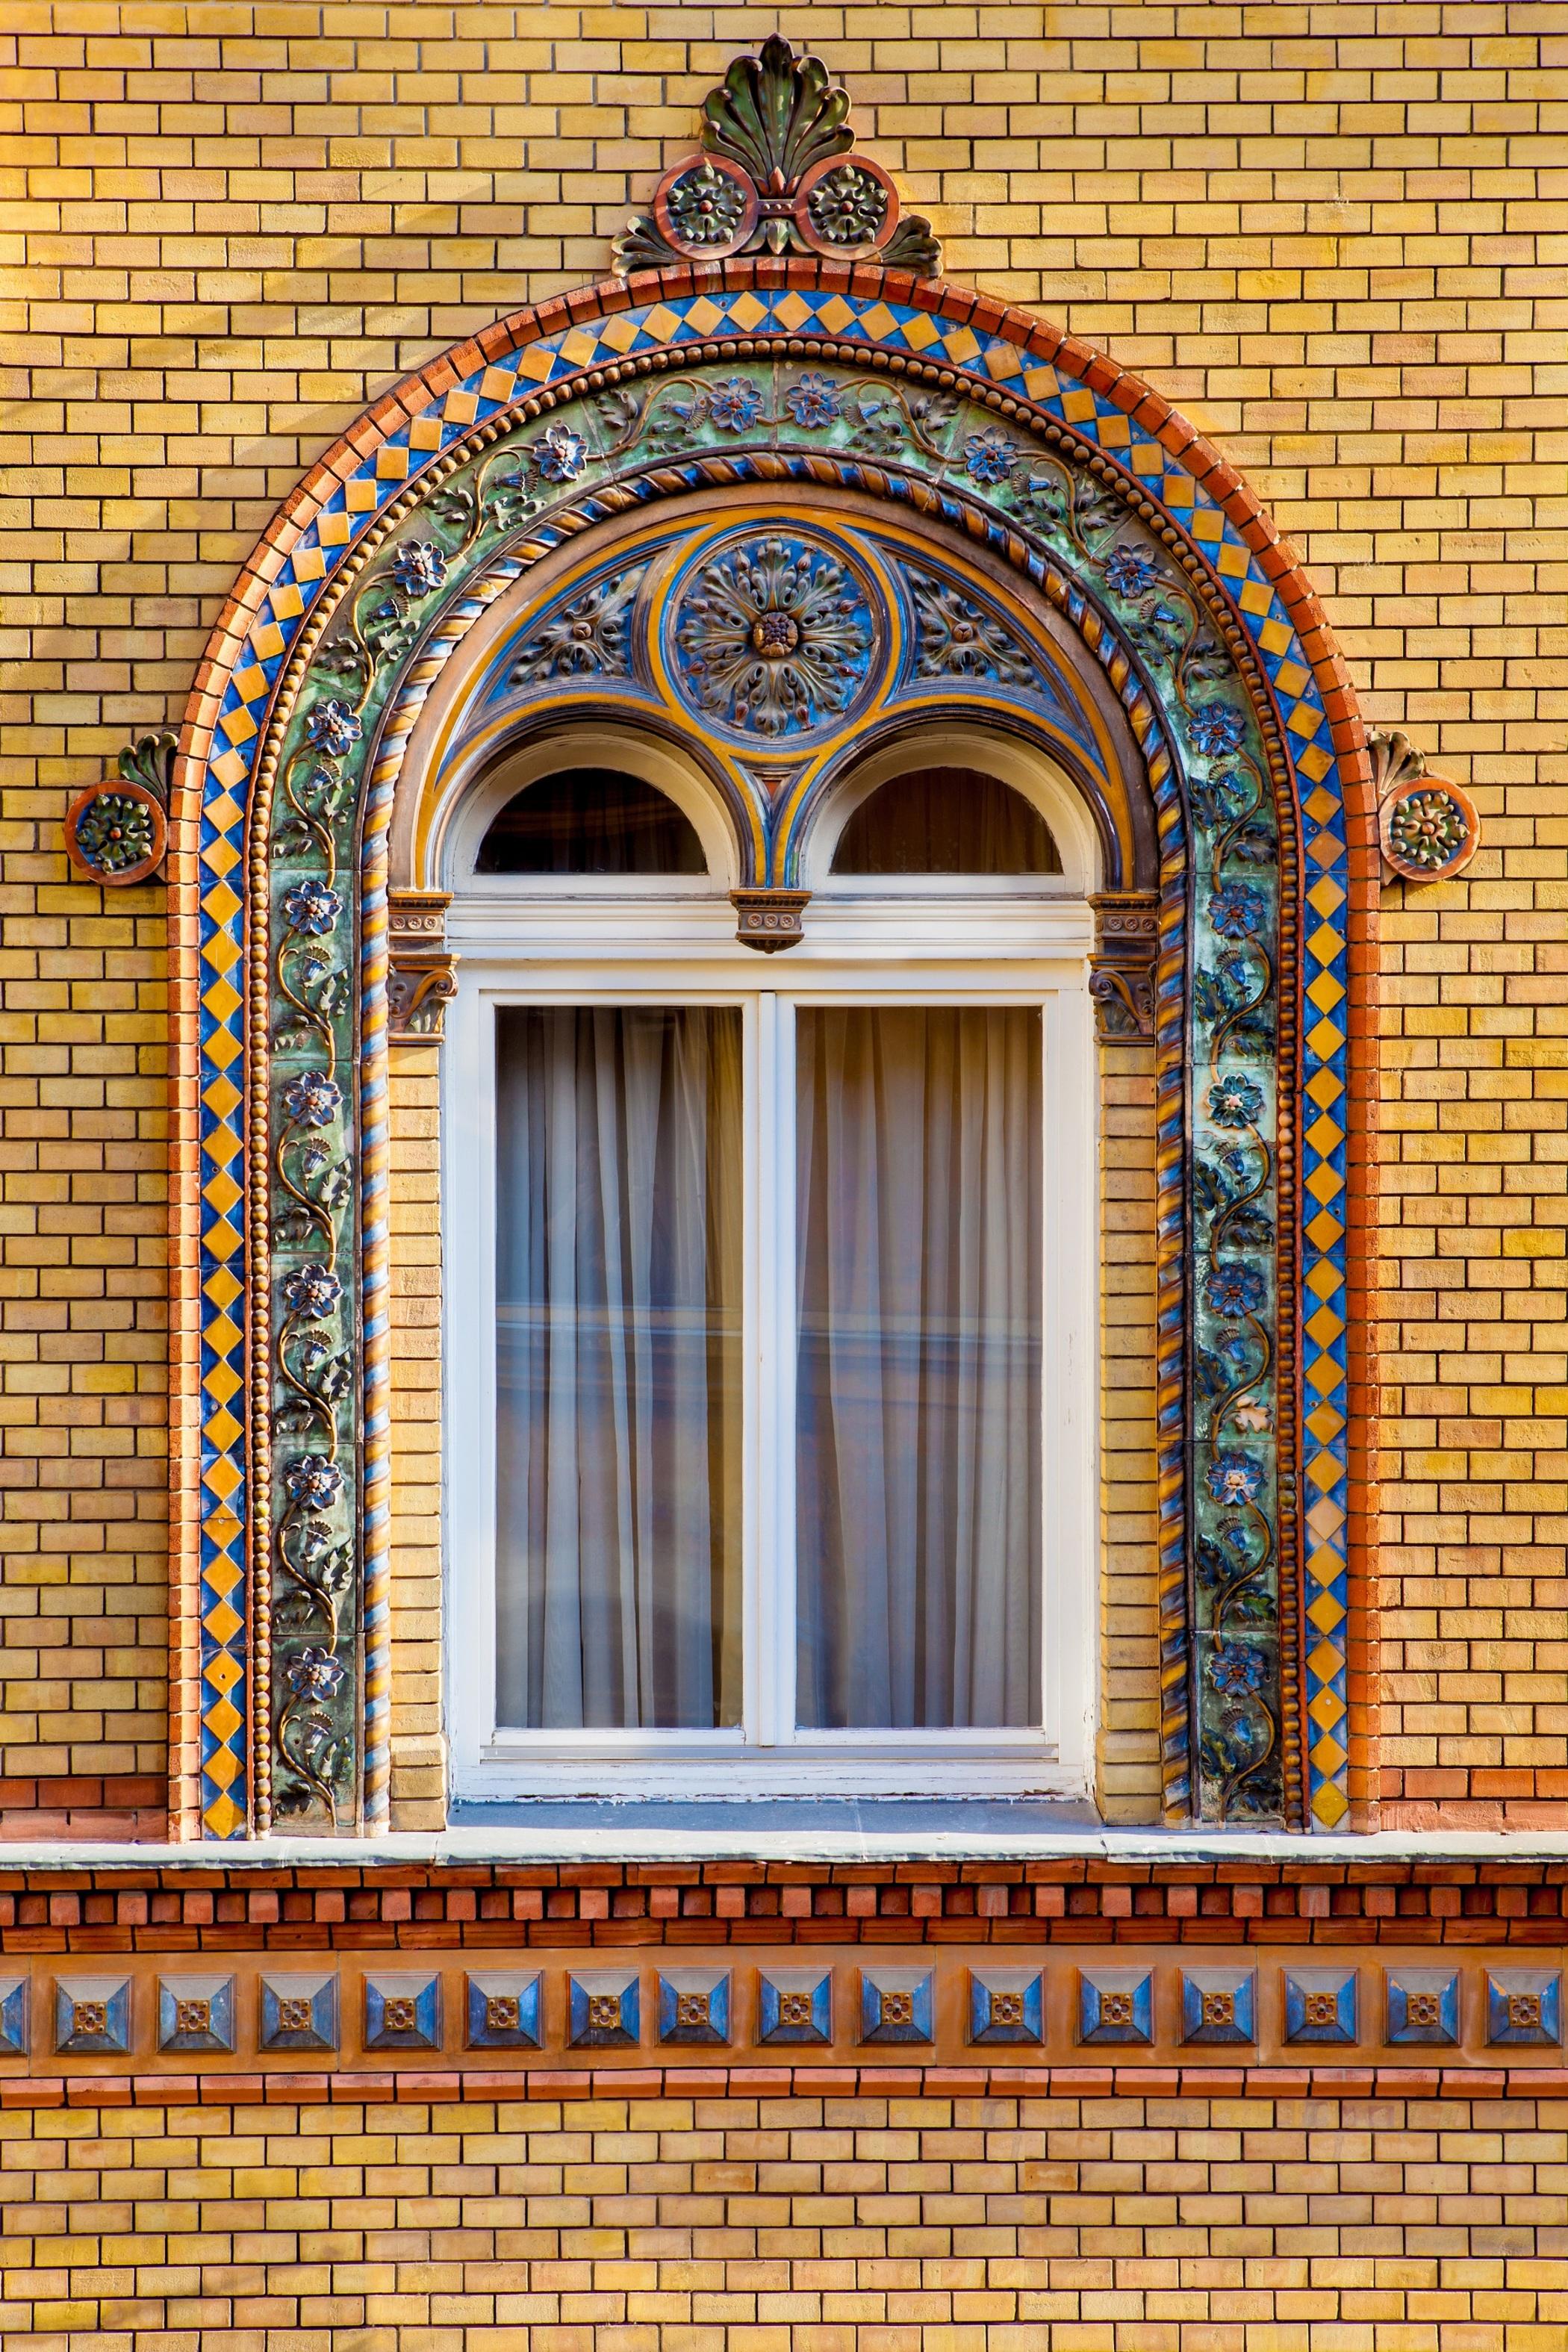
(678, 946)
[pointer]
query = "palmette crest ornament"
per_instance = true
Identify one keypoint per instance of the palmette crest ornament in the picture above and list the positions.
(776, 174)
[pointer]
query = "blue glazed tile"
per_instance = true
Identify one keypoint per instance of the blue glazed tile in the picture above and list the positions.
(92, 2014)
(503, 2012)
(1423, 2005)
(1006, 2005)
(896, 2004)
(602, 2011)
(1219, 2005)
(195, 2014)
(402, 2012)
(794, 2005)
(1321, 2005)
(299, 2012)
(14, 2003)
(1523, 2007)
(1115, 2005)
(694, 2005)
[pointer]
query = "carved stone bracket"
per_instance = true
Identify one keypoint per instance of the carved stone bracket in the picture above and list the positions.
(770, 919)
(1429, 829)
(423, 979)
(1121, 967)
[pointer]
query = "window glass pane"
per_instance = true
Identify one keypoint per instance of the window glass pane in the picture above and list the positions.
(917, 1462)
(591, 821)
(618, 1366)
(946, 821)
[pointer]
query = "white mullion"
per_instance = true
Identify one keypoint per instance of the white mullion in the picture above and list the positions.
(775, 1372)
(762, 1633)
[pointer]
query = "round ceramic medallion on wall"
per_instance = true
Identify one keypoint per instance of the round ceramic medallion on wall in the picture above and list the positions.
(115, 832)
(1429, 830)
(846, 206)
(706, 207)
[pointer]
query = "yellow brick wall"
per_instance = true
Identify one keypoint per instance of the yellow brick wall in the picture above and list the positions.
(796, 2225)
(1328, 233)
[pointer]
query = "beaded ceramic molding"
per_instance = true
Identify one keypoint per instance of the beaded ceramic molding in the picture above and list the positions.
(1227, 2007)
(998, 451)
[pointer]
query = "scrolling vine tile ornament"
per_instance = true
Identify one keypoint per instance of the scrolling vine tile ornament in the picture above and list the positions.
(966, 436)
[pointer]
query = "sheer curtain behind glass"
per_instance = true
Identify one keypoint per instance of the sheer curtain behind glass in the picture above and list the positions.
(618, 1366)
(919, 1499)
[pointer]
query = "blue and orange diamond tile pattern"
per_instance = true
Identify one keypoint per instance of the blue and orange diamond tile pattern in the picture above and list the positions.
(991, 361)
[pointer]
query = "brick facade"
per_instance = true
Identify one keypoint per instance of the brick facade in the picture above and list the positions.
(1330, 236)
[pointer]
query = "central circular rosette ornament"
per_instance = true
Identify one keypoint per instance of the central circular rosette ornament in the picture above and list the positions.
(775, 636)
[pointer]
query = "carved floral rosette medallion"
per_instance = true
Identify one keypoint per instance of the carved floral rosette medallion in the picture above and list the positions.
(968, 463)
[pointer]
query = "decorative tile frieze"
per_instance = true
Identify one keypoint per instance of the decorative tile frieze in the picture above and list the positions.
(195, 2014)
(940, 2009)
(92, 2015)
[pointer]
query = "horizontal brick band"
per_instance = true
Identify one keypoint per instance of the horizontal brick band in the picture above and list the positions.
(408, 2084)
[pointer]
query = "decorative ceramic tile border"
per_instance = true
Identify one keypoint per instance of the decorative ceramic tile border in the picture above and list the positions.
(1044, 2006)
(1012, 363)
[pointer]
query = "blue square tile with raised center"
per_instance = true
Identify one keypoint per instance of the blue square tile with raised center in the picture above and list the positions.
(896, 2005)
(502, 2010)
(1524, 2008)
(694, 2005)
(402, 2012)
(1219, 2005)
(1423, 2005)
(602, 2011)
(92, 2015)
(1319, 2005)
(794, 2005)
(1115, 2005)
(1006, 2005)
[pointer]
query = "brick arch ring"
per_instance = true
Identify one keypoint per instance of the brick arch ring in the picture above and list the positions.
(999, 431)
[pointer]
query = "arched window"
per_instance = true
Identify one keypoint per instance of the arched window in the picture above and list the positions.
(774, 1474)
(591, 821)
(946, 821)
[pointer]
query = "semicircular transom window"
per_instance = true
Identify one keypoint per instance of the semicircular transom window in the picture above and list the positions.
(591, 821)
(946, 821)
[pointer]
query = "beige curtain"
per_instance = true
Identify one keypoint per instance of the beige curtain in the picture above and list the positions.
(619, 1363)
(919, 1500)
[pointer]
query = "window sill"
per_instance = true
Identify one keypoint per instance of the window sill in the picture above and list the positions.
(550, 1832)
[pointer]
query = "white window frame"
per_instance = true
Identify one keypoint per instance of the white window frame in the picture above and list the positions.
(1017, 950)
